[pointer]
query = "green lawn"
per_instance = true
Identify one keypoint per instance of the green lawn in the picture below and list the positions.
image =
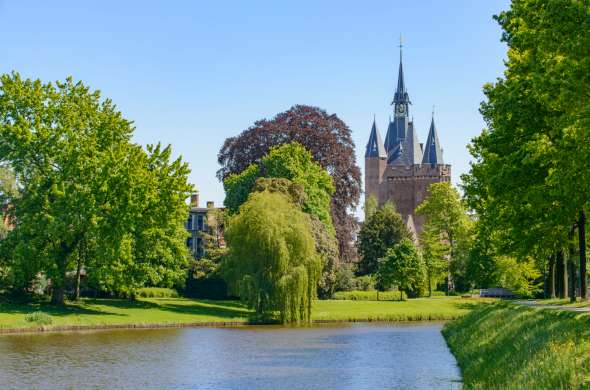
(104, 312)
(563, 302)
(508, 346)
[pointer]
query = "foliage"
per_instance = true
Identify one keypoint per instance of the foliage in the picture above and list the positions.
(371, 205)
(272, 262)
(521, 277)
(447, 218)
(88, 194)
(293, 162)
(204, 278)
(435, 253)
(529, 182)
(403, 267)
(156, 292)
(380, 231)
(238, 187)
(326, 137)
(326, 247)
(374, 295)
(504, 346)
(39, 318)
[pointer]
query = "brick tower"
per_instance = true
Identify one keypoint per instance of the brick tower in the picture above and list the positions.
(401, 168)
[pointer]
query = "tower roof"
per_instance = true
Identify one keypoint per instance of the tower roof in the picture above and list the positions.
(375, 146)
(407, 152)
(401, 94)
(432, 151)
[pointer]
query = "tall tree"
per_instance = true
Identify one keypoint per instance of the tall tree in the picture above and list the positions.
(529, 180)
(403, 267)
(328, 139)
(383, 229)
(272, 263)
(446, 216)
(435, 254)
(293, 162)
(84, 181)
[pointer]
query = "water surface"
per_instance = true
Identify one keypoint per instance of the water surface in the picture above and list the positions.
(354, 356)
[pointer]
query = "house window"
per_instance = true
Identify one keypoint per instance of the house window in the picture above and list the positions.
(199, 247)
(189, 223)
(189, 243)
(200, 226)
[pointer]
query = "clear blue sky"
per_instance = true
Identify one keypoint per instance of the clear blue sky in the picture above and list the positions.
(191, 73)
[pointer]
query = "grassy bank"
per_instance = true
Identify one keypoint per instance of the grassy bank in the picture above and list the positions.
(162, 311)
(506, 346)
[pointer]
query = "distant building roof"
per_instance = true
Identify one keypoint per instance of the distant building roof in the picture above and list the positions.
(375, 146)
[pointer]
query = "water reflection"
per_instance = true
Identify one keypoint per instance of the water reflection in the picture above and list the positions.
(359, 356)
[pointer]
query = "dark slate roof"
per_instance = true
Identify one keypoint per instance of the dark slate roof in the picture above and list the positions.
(375, 146)
(408, 151)
(401, 95)
(432, 151)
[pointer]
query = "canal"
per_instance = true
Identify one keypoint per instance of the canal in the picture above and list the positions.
(344, 356)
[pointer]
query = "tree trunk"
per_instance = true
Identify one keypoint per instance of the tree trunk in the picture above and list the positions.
(78, 279)
(551, 277)
(561, 275)
(429, 285)
(81, 255)
(401, 295)
(377, 294)
(582, 243)
(571, 267)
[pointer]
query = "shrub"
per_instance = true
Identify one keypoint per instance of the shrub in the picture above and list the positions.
(156, 292)
(368, 295)
(39, 318)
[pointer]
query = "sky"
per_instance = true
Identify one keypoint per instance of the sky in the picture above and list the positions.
(192, 73)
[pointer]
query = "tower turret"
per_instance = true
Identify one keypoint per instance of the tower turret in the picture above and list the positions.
(375, 146)
(432, 151)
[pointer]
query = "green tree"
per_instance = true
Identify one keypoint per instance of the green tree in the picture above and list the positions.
(446, 216)
(403, 267)
(435, 254)
(290, 161)
(530, 181)
(8, 191)
(383, 229)
(272, 262)
(85, 185)
(371, 205)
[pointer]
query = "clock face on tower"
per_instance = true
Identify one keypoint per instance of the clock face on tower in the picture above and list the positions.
(401, 109)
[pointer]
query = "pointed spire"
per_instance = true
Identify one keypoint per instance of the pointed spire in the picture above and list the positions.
(432, 151)
(401, 96)
(375, 146)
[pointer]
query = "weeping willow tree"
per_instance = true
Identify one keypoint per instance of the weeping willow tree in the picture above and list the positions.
(272, 262)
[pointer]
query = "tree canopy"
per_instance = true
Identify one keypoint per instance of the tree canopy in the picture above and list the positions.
(272, 263)
(87, 192)
(529, 182)
(293, 162)
(403, 267)
(381, 230)
(447, 218)
(327, 138)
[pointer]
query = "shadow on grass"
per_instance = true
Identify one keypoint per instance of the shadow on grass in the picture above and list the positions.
(221, 309)
(53, 310)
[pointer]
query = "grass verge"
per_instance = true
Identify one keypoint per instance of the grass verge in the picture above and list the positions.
(507, 346)
(144, 312)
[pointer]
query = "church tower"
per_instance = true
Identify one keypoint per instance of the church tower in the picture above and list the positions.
(401, 169)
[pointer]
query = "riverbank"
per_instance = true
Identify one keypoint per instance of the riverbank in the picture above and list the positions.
(505, 345)
(181, 312)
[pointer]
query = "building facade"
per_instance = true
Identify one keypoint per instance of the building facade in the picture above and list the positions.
(200, 221)
(400, 169)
